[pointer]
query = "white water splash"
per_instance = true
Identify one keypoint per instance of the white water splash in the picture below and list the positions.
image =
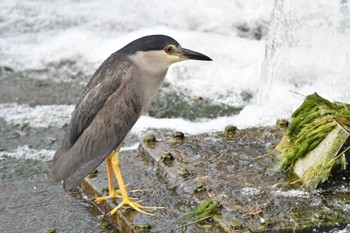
(38, 116)
(25, 152)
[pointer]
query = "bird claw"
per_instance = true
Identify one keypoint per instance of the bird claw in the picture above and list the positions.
(105, 198)
(135, 206)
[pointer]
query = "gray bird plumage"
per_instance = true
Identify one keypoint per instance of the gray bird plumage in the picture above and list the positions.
(110, 105)
(96, 128)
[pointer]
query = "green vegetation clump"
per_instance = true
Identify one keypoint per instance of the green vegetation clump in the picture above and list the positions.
(207, 208)
(310, 124)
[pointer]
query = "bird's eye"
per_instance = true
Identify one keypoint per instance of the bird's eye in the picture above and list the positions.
(168, 49)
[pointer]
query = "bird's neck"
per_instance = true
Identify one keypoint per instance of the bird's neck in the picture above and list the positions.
(151, 85)
(151, 71)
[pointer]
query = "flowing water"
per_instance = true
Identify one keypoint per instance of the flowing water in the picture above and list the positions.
(261, 51)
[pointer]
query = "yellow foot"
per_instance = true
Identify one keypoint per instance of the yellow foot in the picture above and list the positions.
(116, 194)
(136, 206)
(111, 195)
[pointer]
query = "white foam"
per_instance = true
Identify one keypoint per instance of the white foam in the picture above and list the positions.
(38, 116)
(59, 115)
(25, 152)
(312, 53)
(248, 118)
(292, 193)
(345, 230)
(249, 191)
(307, 51)
(36, 34)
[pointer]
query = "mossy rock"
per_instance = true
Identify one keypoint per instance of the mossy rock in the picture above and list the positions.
(311, 123)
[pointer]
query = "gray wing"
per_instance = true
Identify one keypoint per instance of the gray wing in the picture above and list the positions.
(106, 80)
(98, 126)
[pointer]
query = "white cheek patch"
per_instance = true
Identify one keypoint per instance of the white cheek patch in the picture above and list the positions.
(171, 59)
(151, 61)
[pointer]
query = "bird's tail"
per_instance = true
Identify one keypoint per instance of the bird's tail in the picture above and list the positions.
(72, 168)
(59, 167)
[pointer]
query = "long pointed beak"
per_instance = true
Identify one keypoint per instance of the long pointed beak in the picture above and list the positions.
(189, 54)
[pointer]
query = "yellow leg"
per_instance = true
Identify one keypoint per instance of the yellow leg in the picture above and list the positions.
(112, 192)
(126, 200)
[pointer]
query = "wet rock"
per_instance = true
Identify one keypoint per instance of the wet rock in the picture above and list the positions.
(233, 172)
(178, 136)
(282, 123)
(169, 103)
(167, 157)
(184, 172)
(230, 131)
(5, 69)
(309, 166)
(257, 31)
(141, 175)
(51, 230)
(149, 139)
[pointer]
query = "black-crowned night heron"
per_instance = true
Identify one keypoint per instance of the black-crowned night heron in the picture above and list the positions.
(113, 100)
